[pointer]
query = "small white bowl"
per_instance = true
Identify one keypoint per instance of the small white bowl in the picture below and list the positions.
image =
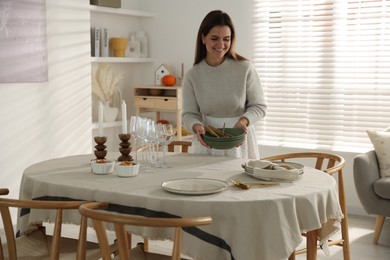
(126, 170)
(105, 167)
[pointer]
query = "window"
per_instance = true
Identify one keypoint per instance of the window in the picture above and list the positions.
(325, 70)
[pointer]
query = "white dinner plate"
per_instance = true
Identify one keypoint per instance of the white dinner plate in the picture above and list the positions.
(194, 186)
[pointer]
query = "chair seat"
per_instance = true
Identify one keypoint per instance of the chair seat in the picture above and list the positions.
(36, 244)
(138, 253)
(382, 188)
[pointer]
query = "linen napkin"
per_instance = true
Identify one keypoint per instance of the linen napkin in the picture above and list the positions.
(267, 170)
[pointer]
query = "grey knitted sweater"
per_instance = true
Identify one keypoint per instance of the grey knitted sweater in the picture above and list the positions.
(232, 89)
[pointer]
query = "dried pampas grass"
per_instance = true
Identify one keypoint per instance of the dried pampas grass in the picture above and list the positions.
(105, 83)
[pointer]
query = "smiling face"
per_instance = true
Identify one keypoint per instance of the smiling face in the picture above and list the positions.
(217, 43)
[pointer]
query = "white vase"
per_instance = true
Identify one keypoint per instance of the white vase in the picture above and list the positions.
(110, 113)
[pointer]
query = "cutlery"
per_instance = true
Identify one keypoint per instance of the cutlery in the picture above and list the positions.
(249, 185)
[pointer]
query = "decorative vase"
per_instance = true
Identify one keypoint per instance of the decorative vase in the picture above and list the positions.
(119, 46)
(110, 113)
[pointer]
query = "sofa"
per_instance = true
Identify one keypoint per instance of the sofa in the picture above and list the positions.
(372, 190)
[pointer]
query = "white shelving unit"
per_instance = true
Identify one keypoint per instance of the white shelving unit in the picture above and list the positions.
(111, 18)
(114, 12)
(121, 11)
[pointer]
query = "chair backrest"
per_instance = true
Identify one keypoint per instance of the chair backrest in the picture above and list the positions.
(327, 162)
(331, 164)
(184, 146)
(99, 216)
(59, 206)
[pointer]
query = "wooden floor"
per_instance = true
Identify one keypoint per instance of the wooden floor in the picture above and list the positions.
(361, 230)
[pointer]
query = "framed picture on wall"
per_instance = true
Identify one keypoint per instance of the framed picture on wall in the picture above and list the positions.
(23, 41)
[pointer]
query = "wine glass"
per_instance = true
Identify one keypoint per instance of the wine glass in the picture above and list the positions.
(146, 135)
(151, 140)
(135, 132)
(165, 135)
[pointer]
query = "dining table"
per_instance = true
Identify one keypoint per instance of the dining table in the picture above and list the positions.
(262, 222)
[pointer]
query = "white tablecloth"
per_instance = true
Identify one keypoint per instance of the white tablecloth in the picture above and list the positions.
(259, 223)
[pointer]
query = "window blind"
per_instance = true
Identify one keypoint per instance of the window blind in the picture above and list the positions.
(325, 71)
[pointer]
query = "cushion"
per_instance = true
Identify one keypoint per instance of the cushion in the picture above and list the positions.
(382, 188)
(381, 142)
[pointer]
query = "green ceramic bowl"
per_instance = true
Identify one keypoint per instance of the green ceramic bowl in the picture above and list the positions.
(224, 143)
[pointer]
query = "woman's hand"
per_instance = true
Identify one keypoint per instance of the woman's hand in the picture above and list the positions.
(242, 124)
(199, 131)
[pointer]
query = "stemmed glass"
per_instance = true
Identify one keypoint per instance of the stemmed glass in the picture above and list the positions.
(151, 140)
(147, 134)
(165, 134)
(135, 128)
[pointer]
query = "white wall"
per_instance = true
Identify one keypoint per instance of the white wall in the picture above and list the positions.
(40, 121)
(173, 30)
(53, 119)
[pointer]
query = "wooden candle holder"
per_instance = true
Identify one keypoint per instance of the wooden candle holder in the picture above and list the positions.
(125, 148)
(100, 151)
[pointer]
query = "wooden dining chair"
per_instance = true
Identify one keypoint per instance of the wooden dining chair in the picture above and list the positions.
(331, 164)
(37, 244)
(96, 211)
(183, 144)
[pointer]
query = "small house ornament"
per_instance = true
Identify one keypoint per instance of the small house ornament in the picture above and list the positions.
(160, 72)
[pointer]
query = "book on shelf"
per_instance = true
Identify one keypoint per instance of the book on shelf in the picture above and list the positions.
(104, 42)
(95, 41)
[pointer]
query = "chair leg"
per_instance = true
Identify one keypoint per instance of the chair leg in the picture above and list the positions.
(378, 227)
(146, 245)
(344, 221)
(292, 256)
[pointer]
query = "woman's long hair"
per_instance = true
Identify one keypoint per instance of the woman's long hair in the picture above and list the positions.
(215, 18)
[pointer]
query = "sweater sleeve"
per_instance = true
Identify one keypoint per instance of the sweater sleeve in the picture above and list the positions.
(191, 113)
(255, 107)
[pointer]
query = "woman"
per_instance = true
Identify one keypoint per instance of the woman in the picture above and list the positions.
(222, 88)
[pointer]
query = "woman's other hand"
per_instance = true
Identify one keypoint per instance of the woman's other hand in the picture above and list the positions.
(199, 131)
(242, 124)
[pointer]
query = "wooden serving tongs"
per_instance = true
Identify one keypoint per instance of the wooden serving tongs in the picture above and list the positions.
(217, 132)
(249, 185)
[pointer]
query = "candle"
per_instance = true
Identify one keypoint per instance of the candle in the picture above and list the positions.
(100, 129)
(124, 118)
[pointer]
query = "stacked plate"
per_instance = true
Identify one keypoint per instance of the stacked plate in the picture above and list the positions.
(224, 143)
(298, 166)
(282, 171)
